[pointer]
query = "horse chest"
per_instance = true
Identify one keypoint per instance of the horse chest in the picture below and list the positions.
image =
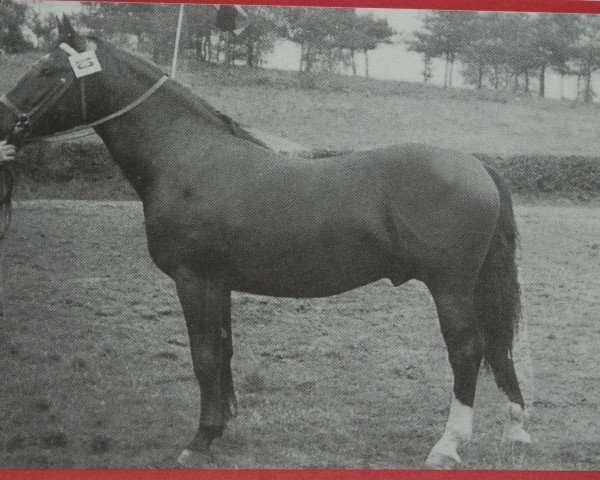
(179, 237)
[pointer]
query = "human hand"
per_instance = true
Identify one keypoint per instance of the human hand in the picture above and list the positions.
(7, 152)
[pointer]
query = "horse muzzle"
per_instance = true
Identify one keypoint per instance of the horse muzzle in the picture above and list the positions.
(20, 132)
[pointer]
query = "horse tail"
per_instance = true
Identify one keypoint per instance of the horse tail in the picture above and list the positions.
(497, 292)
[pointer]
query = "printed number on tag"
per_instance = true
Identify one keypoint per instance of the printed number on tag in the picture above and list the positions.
(85, 63)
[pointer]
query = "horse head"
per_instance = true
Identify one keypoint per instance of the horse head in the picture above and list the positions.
(54, 96)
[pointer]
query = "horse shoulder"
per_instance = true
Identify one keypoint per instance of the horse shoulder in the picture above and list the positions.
(182, 227)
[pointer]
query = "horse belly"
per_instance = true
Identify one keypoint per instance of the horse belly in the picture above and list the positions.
(304, 288)
(310, 267)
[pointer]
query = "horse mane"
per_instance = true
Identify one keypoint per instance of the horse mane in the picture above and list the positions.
(210, 113)
(187, 96)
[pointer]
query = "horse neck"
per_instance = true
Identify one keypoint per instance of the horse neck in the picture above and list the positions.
(144, 142)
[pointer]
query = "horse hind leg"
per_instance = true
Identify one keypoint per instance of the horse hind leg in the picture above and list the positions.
(503, 368)
(457, 316)
(506, 378)
(498, 299)
(499, 310)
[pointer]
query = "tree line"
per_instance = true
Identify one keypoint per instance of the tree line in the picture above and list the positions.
(329, 39)
(510, 50)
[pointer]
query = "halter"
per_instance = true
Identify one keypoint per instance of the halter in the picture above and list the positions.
(26, 119)
(23, 126)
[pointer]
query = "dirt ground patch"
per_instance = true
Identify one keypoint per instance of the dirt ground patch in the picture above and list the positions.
(96, 370)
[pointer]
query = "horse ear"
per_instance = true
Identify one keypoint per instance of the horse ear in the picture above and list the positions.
(65, 28)
(68, 35)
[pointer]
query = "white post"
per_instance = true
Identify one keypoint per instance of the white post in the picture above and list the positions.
(177, 38)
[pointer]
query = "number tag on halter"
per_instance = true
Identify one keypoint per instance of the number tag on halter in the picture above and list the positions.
(85, 63)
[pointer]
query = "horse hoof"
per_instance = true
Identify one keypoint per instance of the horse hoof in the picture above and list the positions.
(515, 434)
(191, 458)
(441, 461)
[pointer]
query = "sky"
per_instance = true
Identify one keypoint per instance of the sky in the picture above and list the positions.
(389, 62)
(55, 7)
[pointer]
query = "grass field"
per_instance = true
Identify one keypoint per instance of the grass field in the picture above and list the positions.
(96, 369)
(340, 112)
(343, 112)
(352, 113)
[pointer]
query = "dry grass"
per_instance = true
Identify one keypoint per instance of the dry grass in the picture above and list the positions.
(343, 112)
(94, 375)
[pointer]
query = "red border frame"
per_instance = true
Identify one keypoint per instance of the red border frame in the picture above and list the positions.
(558, 6)
(209, 474)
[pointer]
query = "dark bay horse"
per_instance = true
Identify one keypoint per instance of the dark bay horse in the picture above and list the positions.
(223, 212)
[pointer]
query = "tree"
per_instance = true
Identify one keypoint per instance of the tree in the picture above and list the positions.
(371, 33)
(163, 31)
(521, 54)
(42, 27)
(555, 35)
(119, 18)
(505, 48)
(485, 53)
(12, 19)
(347, 36)
(444, 34)
(152, 25)
(198, 27)
(316, 31)
(586, 53)
(258, 37)
(312, 29)
(427, 70)
(331, 36)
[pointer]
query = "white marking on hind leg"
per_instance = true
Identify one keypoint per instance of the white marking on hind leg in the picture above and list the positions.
(185, 457)
(459, 429)
(521, 355)
(513, 430)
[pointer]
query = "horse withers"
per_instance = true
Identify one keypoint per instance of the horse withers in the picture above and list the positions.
(223, 212)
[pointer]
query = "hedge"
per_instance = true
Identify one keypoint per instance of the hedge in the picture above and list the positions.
(84, 170)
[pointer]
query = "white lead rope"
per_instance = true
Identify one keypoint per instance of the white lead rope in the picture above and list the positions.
(59, 135)
(177, 40)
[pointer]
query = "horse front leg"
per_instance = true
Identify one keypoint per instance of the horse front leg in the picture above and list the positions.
(230, 406)
(205, 300)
